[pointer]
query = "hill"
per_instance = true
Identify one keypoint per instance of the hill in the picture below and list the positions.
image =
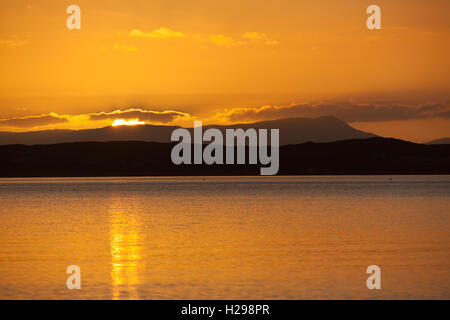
(137, 158)
(292, 131)
(440, 141)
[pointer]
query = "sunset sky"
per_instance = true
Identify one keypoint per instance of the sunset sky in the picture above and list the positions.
(173, 61)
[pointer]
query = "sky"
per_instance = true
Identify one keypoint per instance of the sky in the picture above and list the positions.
(175, 61)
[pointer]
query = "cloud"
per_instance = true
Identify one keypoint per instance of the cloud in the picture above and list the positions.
(95, 119)
(259, 38)
(214, 39)
(227, 41)
(161, 33)
(346, 111)
(222, 40)
(33, 121)
(141, 115)
(218, 40)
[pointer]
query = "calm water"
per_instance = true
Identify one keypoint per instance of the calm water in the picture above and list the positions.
(225, 238)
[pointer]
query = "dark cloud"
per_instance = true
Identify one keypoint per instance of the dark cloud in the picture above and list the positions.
(141, 115)
(33, 121)
(346, 111)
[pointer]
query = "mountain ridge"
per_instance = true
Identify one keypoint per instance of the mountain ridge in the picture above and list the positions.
(440, 141)
(292, 131)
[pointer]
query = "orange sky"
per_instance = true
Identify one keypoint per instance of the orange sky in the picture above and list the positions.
(201, 57)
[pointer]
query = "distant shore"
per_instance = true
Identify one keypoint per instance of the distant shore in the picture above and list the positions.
(373, 156)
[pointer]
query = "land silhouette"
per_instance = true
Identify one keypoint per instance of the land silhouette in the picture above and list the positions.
(292, 131)
(324, 145)
(440, 141)
(139, 158)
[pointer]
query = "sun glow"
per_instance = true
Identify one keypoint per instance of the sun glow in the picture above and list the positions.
(122, 122)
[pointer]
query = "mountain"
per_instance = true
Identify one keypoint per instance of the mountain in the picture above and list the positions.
(440, 141)
(137, 158)
(292, 131)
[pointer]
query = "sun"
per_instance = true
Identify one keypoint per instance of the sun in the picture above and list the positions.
(122, 122)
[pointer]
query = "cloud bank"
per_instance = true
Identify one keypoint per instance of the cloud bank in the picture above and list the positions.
(346, 111)
(215, 39)
(141, 115)
(161, 33)
(33, 121)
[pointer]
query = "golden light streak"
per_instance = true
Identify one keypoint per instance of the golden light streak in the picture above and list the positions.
(122, 122)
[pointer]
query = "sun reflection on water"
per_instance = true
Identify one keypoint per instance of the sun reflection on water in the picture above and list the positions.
(125, 251)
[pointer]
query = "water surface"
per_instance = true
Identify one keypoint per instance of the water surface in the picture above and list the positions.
(225, 238)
